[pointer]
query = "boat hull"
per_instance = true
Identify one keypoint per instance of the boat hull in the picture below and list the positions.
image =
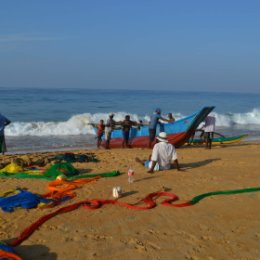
(178, 132)
(143, 141)
(221, 140)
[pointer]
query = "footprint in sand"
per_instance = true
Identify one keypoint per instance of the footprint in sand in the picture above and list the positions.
(97, 237)
(192, 257)
(153, 245)
(153, 232)
(88, 190)
(139, 245)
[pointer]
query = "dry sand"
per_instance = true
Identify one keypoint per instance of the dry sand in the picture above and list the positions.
(219, 227)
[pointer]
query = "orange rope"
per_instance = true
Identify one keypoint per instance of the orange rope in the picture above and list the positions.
(9, 255)
(58, 189)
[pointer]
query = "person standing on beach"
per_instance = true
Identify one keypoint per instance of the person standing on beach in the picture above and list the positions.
(126, 128)
(110, 126)
(100, 128)
(171, 118)
(3, 123)
(209, 129)
(155, 117)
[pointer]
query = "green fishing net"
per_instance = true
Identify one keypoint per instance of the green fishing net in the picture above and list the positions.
(55, 170)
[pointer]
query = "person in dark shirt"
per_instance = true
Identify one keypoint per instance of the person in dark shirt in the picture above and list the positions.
(110, 126)
(155, 117)
(171, 118)
(3, 123)
(126, 128)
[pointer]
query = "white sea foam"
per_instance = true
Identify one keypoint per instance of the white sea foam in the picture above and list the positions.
(243, 119)
(80, 124)
(76, 125)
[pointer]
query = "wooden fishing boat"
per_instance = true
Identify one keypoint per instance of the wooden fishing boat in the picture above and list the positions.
(219, 140)
(178, 132)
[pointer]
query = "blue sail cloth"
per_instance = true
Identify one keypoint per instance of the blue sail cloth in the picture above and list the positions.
(6, 248)
(23, 199)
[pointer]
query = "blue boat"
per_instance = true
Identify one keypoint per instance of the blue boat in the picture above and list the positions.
(178, 132)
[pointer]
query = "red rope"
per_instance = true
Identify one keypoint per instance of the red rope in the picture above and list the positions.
(149, 202)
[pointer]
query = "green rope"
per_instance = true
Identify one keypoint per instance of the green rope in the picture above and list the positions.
(198, 198)
(21, 175)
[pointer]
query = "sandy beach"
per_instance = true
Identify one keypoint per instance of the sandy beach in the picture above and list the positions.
(216, 228)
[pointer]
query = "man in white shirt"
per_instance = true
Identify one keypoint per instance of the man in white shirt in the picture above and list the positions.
(209, 129)
(164, 154)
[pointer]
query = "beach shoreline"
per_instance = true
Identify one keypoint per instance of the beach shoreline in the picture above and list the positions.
(92, 147)
(67, 124)
(218, 227)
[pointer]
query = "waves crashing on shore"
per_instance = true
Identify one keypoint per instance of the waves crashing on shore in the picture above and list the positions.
(81, 124)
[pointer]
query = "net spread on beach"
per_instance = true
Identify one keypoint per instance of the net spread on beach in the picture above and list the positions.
(149, 201)
(58, 192)
(62, 168)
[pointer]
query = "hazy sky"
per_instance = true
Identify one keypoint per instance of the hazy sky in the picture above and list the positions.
(142, 44)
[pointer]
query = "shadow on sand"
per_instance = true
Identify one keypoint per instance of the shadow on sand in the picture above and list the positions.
(147, 178)
(198, 164)
(35, 252)
(128, 193)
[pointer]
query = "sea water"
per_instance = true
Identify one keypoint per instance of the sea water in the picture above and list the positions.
(57, 119)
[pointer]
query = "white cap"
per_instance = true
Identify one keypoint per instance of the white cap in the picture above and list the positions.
(162, 137)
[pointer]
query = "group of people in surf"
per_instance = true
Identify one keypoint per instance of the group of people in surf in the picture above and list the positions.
(126, 126)
(111, 124)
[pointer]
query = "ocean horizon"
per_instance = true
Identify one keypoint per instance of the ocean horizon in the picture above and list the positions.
(58, 119)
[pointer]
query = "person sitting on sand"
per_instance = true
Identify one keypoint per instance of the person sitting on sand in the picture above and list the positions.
(148, 163)
(163, 155)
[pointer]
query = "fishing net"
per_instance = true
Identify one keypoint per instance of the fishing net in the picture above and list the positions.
(54, 171)
(23, 199)
(12, 168)
(71, 157)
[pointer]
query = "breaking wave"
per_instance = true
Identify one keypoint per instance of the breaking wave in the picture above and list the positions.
(81, 124)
